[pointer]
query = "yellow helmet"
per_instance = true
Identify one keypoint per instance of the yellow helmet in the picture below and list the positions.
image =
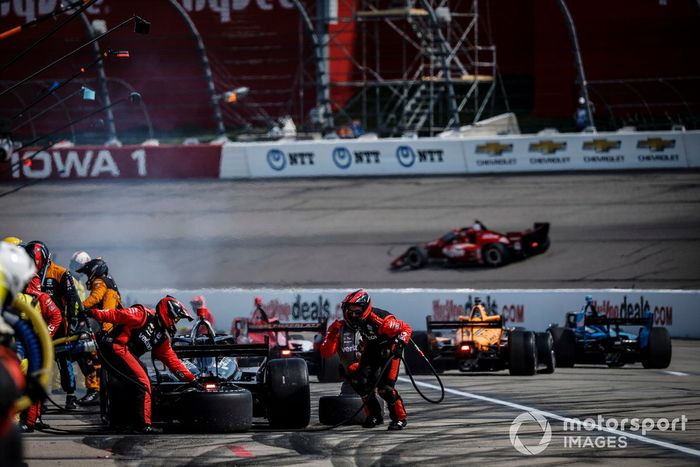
(13, 241)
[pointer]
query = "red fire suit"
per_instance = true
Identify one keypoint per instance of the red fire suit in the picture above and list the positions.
(136, 332)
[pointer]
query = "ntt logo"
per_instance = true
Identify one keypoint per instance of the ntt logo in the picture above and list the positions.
(529, 444)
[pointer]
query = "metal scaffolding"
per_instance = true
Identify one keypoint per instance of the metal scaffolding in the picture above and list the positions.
(421, 67)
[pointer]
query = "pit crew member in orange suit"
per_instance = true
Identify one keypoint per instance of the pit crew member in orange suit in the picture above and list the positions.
(58, 283)
(343, 340)
(34, 297)
(104, 294)
(383, 340)
(199, 306)
(138, 330)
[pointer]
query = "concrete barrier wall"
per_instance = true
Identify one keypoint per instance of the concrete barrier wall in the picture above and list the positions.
(679, 311)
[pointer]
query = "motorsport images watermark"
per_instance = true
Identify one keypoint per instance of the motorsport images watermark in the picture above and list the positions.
(531, 432)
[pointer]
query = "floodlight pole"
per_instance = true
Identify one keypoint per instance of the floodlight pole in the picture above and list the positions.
(579, 61)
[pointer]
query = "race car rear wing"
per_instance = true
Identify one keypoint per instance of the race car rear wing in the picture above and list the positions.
(317, 327)
(605, 321)
(468, 323)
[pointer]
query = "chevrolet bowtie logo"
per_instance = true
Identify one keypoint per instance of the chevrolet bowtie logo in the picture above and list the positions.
(547, 147)
(601, 145)
(656, 144)
(494, 149)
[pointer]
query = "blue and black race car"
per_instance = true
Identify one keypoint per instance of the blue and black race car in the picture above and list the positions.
(592, 338)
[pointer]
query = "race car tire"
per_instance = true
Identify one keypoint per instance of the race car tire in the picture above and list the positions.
(658, 352)
(336, 409)
(545, 352)
(289, 402)
(495, 255)
(522, 350)
(564, 347)
(330, 370)
(416, 257)
(229, 411)
(415, 362)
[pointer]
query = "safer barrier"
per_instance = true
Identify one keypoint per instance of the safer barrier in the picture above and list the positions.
(677, 310)
(366, 157)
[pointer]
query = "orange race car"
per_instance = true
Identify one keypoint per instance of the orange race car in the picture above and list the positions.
(481, 342)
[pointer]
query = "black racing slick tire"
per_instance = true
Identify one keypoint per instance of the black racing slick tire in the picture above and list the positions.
(658, 352)
(495, 255)
(545, 352)
(329, 372)
(337, 409)
(415, 362)
(564, 347)
(289, 395)
(416, 257)
(226, 411)
(522, 351)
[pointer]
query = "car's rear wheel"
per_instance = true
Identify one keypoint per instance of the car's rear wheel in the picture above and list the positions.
(564, 347)
(658, 351)
(415, 362)
(416, 257)
(118, 409)
(337, 409)
(545, 351)
(522, 350)
(495, 255)
(289, 402)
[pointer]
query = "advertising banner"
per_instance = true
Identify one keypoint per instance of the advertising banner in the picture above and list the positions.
(106, 162)
(679, 311)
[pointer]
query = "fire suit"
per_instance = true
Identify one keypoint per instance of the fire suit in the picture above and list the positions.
(136, 332)
(104, 294)
(34, 297)
(341, 339)
(381, 333)
(58, 283)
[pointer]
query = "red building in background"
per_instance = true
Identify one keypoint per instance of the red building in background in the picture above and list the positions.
(641, 57)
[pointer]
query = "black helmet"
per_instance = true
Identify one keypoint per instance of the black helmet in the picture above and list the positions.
(94, 268)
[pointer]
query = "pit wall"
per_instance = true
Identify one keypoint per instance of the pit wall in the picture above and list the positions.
(679, 311)
(365, 157)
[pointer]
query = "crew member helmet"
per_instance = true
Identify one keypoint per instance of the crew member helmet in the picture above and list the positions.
(356, 307)
(16, 269)
(170, 311)
(94, 269)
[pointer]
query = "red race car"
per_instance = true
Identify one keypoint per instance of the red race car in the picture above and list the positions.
(477, 245)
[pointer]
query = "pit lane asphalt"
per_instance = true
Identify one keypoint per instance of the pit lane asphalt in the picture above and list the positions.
(623, 230)
(459, 431)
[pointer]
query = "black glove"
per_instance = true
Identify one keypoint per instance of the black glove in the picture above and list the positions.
(398, 348)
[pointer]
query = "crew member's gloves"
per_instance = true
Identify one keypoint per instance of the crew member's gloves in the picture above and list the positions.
(398, 348)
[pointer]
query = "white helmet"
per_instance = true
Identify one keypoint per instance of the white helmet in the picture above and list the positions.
(78, 260)
(16, 269)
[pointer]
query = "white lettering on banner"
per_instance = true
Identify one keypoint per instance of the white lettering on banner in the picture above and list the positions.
(140, 157)
(43, 164)
(198, 5)
(72, 160)
(264, 5)
(104, 163)
(225, 7)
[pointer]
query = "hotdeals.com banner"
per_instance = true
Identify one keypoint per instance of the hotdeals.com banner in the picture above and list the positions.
(679, 311)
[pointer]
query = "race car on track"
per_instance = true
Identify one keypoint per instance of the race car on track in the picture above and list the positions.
(477, 245)
(304, 342)
(591, 338)
(481, 342)
(235, 383)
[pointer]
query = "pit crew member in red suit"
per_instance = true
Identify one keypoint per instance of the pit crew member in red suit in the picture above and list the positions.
(138, 330)
(383, 340)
